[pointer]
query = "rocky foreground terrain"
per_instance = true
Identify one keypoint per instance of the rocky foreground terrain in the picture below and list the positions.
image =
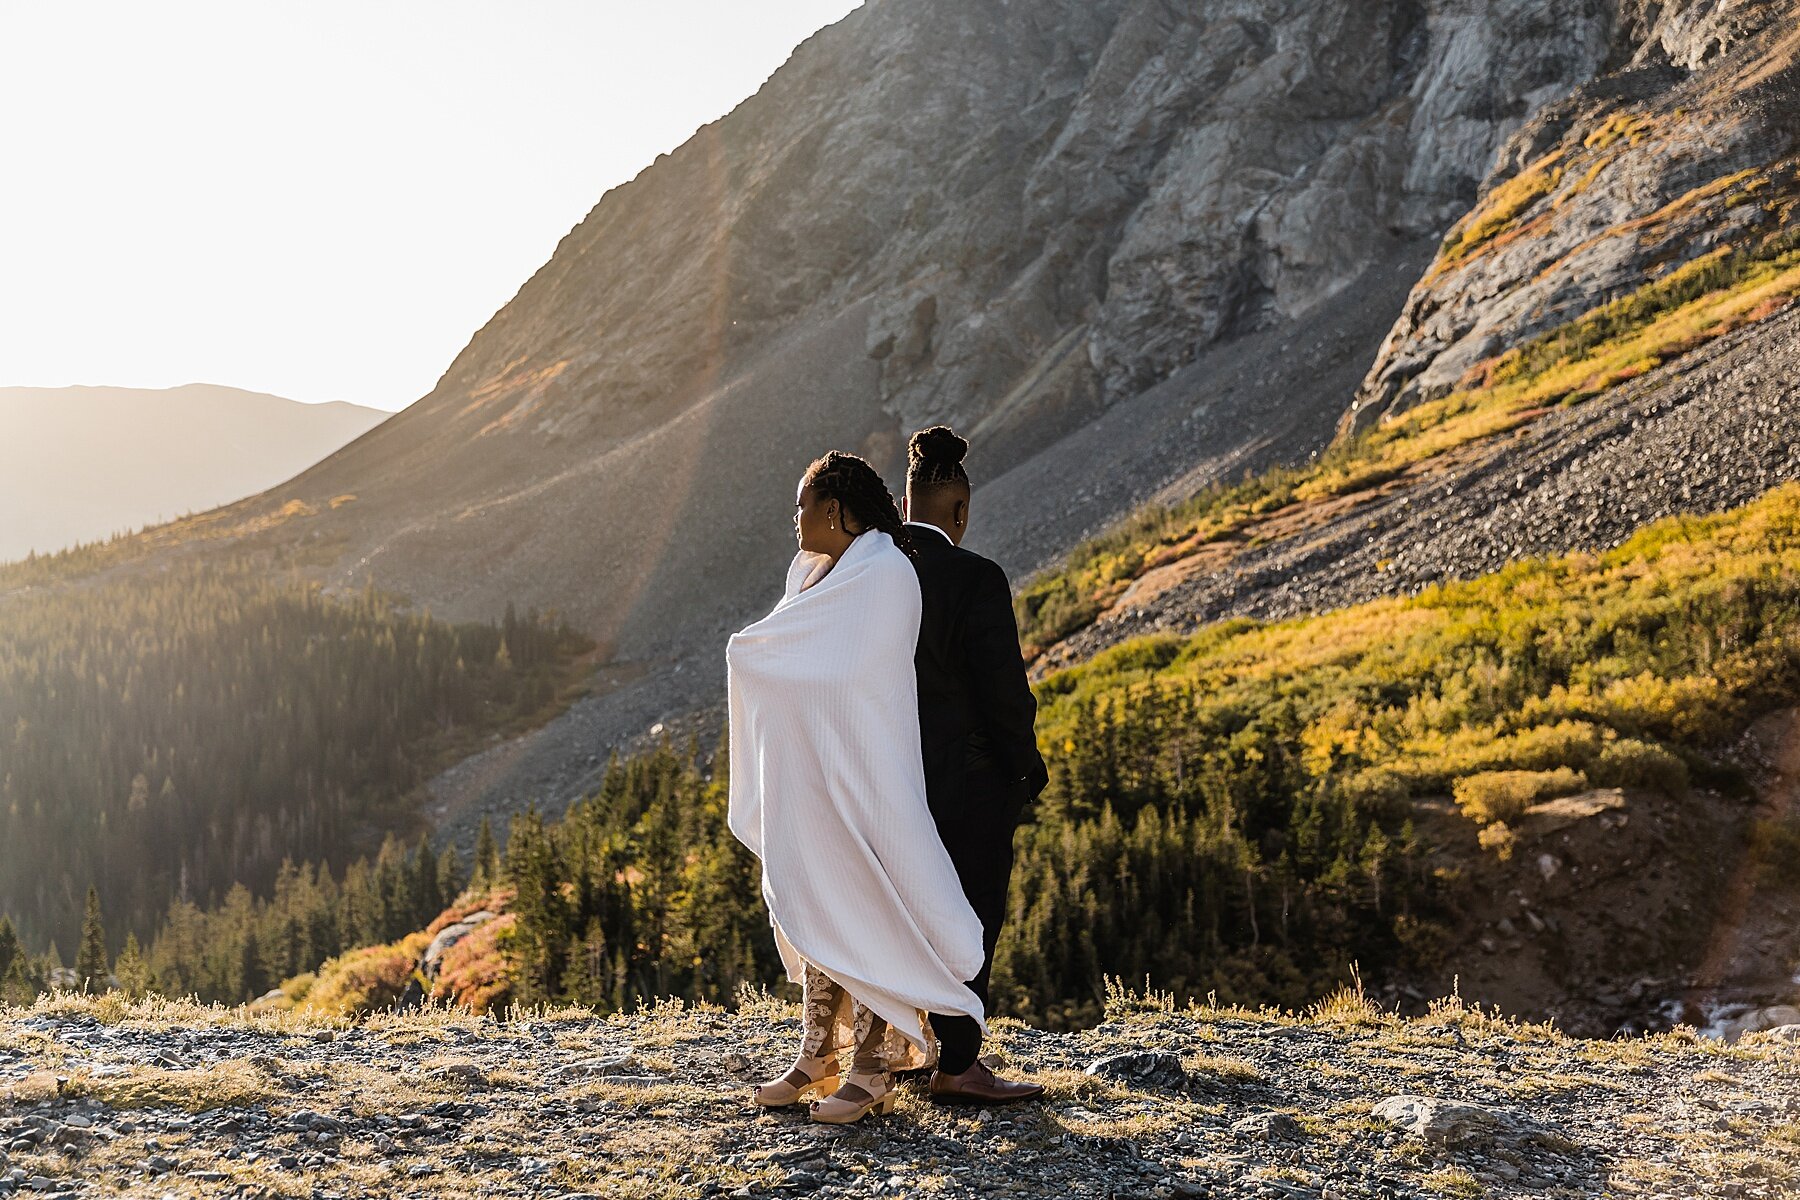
(104, 1097)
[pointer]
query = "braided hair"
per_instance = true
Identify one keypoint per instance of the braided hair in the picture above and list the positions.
(935, 456)
(859, 490)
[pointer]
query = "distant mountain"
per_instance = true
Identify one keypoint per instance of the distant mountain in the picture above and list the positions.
(78, 464)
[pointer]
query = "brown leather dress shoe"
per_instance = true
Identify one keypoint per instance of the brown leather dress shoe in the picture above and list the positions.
(978, 1085)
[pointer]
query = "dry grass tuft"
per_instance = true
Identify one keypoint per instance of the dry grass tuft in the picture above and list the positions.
(234, 1084)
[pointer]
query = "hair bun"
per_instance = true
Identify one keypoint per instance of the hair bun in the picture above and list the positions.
(938, 446)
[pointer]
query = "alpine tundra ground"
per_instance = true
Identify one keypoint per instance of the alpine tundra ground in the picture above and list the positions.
(108, 1097)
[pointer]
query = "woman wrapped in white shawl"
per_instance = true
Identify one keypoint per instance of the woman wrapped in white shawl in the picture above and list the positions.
(828, 790)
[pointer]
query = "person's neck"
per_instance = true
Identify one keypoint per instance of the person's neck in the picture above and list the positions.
(940, 524)
(843, 548)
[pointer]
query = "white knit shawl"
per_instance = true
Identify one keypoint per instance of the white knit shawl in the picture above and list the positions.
(828, 789)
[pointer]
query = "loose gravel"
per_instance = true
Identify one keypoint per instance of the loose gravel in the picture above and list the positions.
(1711, 431)
(104, 1098)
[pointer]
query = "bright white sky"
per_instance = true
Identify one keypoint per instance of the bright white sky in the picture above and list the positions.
(325, 199)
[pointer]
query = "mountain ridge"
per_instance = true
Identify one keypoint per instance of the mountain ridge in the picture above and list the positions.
(226, 443)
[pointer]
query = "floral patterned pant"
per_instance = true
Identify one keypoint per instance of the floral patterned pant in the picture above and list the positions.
(822, 1023)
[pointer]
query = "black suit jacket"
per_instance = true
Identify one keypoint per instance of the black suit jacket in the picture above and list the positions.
(976, 710)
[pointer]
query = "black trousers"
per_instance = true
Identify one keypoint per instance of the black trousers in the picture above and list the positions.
(978, 833)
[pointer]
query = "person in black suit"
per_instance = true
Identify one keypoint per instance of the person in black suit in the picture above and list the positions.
(976, 717)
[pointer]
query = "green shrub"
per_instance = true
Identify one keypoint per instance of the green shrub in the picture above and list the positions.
(367, 979)
(1775, 849)
(1629, 762)
(1498, 797)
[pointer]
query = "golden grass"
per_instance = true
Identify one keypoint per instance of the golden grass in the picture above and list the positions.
(1223, 1069)
(1505, 205)
(235, 1083)
(161, 1012)
(1454, 1181)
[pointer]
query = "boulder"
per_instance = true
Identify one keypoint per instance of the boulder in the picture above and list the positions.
(1268, 1127)
(613, 1068)
(449, 935)
(1440, 1122)
(1142, 1068)
(1759, 1020)
(462, 1075)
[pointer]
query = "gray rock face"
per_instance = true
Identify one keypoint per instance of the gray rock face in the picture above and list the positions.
(1217, 168)
(1616, 183)
(1308, 135)
(448, 936)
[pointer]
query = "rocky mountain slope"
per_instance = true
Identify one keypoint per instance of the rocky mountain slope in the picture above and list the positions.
(1688, 146)
(1714, 430)
(1345, 1102)
(1569, 274)
(1014, 216)
(80, 464)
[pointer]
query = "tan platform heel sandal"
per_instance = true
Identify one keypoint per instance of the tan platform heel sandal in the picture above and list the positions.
(808, 1078)
(860, 1096)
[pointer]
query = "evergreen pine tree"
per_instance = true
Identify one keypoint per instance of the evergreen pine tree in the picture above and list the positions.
(90, 960)
(10, 949)
(487, 855)
(249, 979)
(19, 985)
(449, 875)
(427, 896)
(133, 971)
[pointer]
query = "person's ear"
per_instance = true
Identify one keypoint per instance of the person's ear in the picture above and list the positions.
(962, 513)
(831, 512)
